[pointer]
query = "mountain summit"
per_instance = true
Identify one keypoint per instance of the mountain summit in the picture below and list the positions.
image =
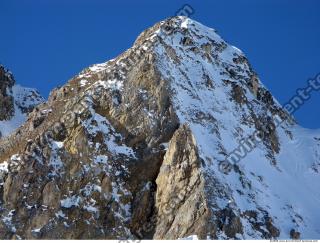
(133, 147)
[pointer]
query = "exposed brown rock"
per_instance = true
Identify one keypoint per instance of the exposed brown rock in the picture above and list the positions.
(180, 201)
(294, 234)
(6, 101)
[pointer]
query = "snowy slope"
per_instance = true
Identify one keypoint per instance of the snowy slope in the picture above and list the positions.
(284, 184)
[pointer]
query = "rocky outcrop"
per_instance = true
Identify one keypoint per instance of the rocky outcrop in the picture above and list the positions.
(6, 101)
(106, 139)
(16, 102)
(181, 202)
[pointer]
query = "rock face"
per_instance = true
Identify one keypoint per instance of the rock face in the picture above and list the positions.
(16, 102)
(180, 189)
(132, 148)
(6, 101)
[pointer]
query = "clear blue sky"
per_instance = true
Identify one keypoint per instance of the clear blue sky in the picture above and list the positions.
(46, 42)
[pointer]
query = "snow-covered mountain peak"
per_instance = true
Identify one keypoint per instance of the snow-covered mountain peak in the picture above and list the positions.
(133, 147)
(216, 92)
